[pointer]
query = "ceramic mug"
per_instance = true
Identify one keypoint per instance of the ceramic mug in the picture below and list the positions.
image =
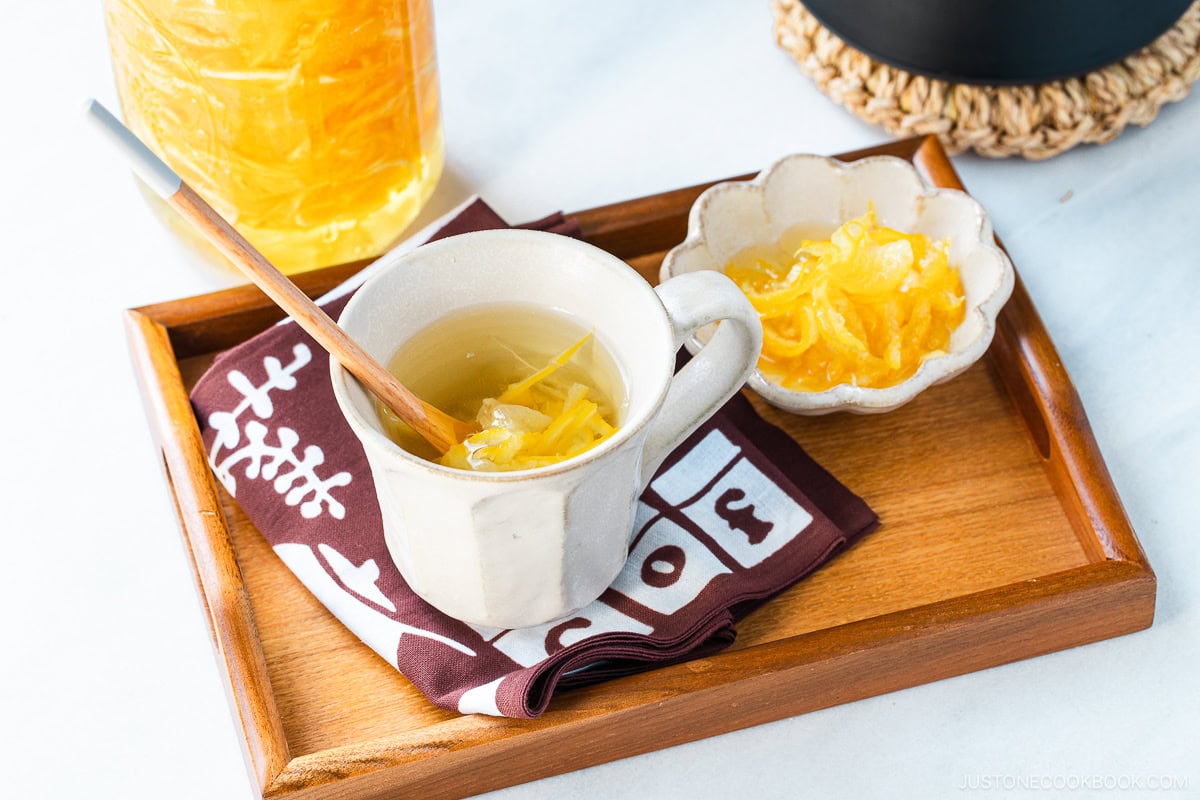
(514, 549)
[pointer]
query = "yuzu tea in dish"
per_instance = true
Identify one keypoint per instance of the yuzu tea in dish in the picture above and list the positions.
(539, 383)
(865, 305)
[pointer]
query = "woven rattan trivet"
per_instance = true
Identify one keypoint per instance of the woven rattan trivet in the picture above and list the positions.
(1031, 121)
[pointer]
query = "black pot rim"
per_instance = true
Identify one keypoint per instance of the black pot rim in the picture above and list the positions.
(997, 42)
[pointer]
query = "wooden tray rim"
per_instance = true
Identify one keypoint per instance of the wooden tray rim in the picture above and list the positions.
(1117, 585)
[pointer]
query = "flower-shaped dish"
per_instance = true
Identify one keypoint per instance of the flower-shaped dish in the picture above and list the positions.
(820, 194)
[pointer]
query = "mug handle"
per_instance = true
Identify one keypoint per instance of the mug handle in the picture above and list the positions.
(693, 300)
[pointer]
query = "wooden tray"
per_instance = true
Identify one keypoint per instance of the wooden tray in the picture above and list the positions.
(1002, 538)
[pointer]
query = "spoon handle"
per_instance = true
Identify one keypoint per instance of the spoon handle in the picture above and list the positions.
(438, 428)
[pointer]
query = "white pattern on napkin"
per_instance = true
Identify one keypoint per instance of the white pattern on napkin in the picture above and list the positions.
(379, 632)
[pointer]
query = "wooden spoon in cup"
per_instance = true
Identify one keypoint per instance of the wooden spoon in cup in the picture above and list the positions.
(435, 426)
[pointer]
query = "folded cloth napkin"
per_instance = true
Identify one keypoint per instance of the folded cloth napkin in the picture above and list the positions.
(736, 514)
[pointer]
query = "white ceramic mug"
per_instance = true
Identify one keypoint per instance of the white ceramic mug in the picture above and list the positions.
(513, 549)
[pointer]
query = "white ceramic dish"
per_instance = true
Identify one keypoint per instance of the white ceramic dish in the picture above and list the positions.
(823, 193)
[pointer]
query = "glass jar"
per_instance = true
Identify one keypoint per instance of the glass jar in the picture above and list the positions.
(311, 125)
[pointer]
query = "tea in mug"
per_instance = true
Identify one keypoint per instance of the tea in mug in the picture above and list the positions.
(539, 383)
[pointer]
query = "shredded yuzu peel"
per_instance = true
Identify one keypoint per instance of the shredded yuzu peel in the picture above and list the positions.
(865, 307)
(537, 421)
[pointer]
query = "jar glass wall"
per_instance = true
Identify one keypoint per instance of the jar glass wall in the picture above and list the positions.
(311, 125)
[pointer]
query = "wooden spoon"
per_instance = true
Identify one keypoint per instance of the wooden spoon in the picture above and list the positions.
(435, 426)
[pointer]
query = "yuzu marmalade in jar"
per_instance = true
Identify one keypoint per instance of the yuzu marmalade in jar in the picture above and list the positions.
(311, 125)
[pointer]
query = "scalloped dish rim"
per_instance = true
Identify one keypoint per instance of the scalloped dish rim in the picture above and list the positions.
(848, 397)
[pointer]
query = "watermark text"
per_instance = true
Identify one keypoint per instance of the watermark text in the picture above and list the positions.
(1035, 782)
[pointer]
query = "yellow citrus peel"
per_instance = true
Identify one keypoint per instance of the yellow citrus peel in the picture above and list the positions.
(865, 307)
(312, 126)
(535, 422)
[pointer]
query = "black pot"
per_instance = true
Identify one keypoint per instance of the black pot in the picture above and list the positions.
(998, 41)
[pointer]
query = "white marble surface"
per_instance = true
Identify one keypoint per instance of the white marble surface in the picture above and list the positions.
(108, 687)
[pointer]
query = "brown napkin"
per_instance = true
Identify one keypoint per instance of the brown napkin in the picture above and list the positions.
(736, 514)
